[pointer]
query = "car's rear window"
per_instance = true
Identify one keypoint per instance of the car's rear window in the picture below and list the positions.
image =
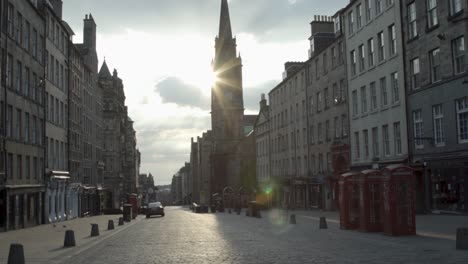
(152, 205)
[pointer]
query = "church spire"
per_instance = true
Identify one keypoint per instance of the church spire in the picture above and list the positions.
(104, 72)
(225, 21)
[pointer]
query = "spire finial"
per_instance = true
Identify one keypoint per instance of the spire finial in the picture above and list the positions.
(225, 21)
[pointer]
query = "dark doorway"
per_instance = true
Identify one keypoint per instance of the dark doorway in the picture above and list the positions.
(3, 212)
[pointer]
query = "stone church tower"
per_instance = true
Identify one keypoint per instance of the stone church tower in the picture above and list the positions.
(227, 108)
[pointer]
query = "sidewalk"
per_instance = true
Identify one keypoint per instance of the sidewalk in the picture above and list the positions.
(44, 243)
(432, 225)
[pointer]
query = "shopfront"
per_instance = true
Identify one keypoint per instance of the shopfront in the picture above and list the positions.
(449, 185)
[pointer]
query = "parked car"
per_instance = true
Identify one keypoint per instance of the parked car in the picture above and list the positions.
(154, 209)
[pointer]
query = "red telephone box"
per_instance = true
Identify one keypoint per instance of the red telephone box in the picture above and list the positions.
(371, 201)
(349, 200)
(132, 199)
(399, 215)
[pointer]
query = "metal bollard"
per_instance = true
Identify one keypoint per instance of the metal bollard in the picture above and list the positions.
(239, 211)
(462, 238)
(69, 239)
(16, 255)
(121, 221)
(110, 225)
(247, 212)
(94, 230)
(323, 223)
(292, 219)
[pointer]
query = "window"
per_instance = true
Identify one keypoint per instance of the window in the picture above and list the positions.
(340, 52)
(381, 45)
(9, 121)
(418, 128)
(370, 52)
(337, 127)
(462, 119)
(51, 114)
(458, 46)
(375, 142)
(434, 60)
(390, 2)
(26, 127)
(386, 140)
(368, 10)
(27, 36)
(57, 111)
(362, 58)
(432, 19)
(35, 168)
(34, 43)
(10, 165)
(317, 74)
(412, 24)
(359, 16)
(10, 17)
(438, 117)
(312, 134)
(324, 63)
(373, 94)
(455, 7)
(319, 133)
(414, 64)
(392, 39)
(319, 102)
(365, 135)
(351, 22)
(19, 28)
(357, 146)
(34, 130)
(395, 88)
(19, 76)
(19, 166)
(327, 130)
(333, 56)
(342, 90)
(327, 98)
(378, 7)
(353, 62)
(336, 95)
(26, 81)
(383, 92)
(344, 125)
(9, 77)
(27, 164)
(363, 99)
(397, 135)
(355, 103)
(18, 124)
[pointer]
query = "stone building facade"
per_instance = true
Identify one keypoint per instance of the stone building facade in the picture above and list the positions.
(262, 145)
(327, 112)
(57, 39)
(436, 79)
(376, 87)
(114, 120)
(22, 189)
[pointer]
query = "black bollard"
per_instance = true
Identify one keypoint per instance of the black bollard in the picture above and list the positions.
(323, 223)
(292, 219)
(69, 239)
(110, 225)
(121, 221)
(247, 213)
(16, 255)
(238, 211)
(230, 211)
(94, 230)
(462, 238)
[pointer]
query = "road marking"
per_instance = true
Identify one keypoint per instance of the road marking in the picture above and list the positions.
(318, 219)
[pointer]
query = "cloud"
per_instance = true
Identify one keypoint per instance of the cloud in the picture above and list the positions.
(252, 94)
(174, 90)
(268, 19)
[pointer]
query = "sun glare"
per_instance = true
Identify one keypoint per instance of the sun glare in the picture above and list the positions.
(201, 78)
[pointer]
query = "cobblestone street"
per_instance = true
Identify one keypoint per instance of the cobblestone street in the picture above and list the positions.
(184, 237)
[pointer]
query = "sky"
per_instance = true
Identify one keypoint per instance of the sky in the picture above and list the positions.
(162, 50)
